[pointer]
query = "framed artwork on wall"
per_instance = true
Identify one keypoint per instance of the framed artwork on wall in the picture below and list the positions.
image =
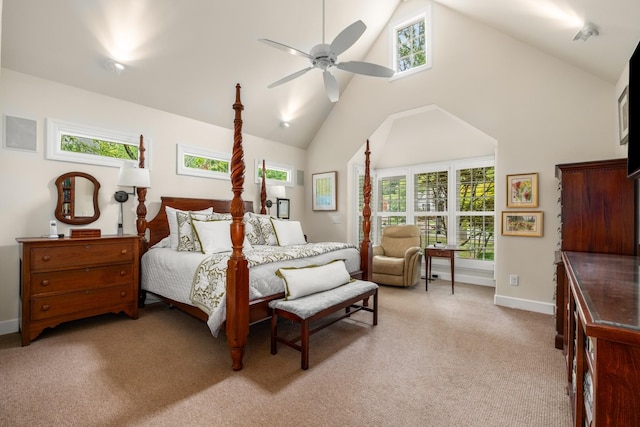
(623, 116)
(324, 197)
(522, 190)
(522, 223)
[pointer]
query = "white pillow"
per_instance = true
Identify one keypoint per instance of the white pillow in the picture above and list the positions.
(300, 282)
(215, 236)
(173, 223)
(288, 232)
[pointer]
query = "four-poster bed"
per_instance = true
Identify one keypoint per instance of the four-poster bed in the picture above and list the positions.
(241, 308)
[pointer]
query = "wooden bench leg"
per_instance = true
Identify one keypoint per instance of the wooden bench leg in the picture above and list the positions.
(304, 364)
(375, 308)
(274, 332)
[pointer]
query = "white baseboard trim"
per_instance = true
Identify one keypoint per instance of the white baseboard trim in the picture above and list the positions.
(523, 304)
(9, 326)
(463, 278)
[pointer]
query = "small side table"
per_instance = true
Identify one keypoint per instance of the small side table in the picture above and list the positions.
(448, 251)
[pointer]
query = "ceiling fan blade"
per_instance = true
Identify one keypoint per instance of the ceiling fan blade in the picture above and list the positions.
(288, 49)
(331, 86)
(289, 77)
(347, 37)
(366, 68)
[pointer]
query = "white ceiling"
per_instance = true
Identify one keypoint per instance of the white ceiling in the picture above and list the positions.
(186, 56)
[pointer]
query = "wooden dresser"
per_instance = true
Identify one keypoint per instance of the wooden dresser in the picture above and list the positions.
(603, 357)
(598, 214)
(73, 278)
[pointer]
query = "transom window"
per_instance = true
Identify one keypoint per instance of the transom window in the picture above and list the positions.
(203, 163)
(72, 142)
(411, 41)
(276, 173)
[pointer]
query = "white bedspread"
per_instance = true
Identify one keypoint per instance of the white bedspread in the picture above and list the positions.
(170, 273)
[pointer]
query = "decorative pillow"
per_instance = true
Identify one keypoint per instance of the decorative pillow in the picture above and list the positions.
(173, 224)
(187, 240)
(164, 243)
(217, 216)
(303, 281)
(252, 230)
(288, 232)
(215, 236)
(266, 228)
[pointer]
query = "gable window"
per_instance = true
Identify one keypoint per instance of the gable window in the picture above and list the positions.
(276, 173)
(78, 143)
(202, 163)
(411, 41)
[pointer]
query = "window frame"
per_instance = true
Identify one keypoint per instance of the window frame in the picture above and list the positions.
(56, 128)
(425, 15)
(452, 212)
(184, 150)
(290, 170)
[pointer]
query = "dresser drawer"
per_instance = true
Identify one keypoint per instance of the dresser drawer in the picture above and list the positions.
(76, 302)
(82, 278)
(64, 256)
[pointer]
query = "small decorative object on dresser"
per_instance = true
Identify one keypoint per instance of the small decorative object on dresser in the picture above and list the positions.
(68, 279)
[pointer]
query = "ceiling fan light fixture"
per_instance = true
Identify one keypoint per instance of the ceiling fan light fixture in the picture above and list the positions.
(587, 31)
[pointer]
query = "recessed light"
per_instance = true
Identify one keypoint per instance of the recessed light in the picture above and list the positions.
(113, 66)
(285, 124)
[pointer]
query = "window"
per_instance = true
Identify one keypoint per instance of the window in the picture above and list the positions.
(202, 163)
(77, 143)
(411, 41)
(452, 203)
(277, 174)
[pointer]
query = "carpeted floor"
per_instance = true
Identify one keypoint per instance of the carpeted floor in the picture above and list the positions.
(435, 359)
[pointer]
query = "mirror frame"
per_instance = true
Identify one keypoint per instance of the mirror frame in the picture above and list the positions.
(80, 220)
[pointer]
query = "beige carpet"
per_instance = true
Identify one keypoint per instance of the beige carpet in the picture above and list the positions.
(435, 359)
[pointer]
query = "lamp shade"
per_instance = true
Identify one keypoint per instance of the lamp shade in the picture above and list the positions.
(130, 176)
(276, 191)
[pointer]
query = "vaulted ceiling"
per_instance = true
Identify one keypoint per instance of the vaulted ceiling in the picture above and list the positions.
(186, 56)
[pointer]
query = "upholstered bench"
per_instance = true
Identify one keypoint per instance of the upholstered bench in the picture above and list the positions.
(318, 306)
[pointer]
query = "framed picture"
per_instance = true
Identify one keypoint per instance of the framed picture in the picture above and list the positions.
(522, 223)
(282, 210)
(623, 116)
(324, 191)
(522, 190)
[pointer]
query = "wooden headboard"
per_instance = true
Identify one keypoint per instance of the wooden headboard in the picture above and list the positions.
(159, 226)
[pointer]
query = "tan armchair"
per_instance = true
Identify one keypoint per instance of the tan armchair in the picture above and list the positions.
(397, 260)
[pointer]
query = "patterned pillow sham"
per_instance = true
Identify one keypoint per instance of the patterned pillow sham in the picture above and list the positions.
(266, 228)
(187, 241)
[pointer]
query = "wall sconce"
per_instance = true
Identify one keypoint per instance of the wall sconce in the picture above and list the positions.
(587, 31)
(130, 176)
(275, 192)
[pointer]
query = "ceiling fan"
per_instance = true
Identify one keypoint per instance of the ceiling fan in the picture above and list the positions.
(325, 56)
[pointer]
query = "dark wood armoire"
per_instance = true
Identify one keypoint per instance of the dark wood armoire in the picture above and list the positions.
(598, 214)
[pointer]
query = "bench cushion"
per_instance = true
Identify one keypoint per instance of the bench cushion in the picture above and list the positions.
(307, 306)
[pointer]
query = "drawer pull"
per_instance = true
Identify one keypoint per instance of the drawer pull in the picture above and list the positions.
(123, 294)
(46, 258)
(87, 269)
(123, 272)
(88, 247)
(46, 307)
(124, 252)
(45, 282)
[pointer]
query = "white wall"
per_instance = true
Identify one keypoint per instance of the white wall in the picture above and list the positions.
(28, 195)
(540, 110)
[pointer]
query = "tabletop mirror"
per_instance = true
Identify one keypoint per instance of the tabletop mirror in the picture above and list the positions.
(77, 198)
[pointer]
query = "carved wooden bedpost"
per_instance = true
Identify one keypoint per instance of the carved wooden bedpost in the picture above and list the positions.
(263, 190)
(366, 250)
(141, 210)
(237, 323)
